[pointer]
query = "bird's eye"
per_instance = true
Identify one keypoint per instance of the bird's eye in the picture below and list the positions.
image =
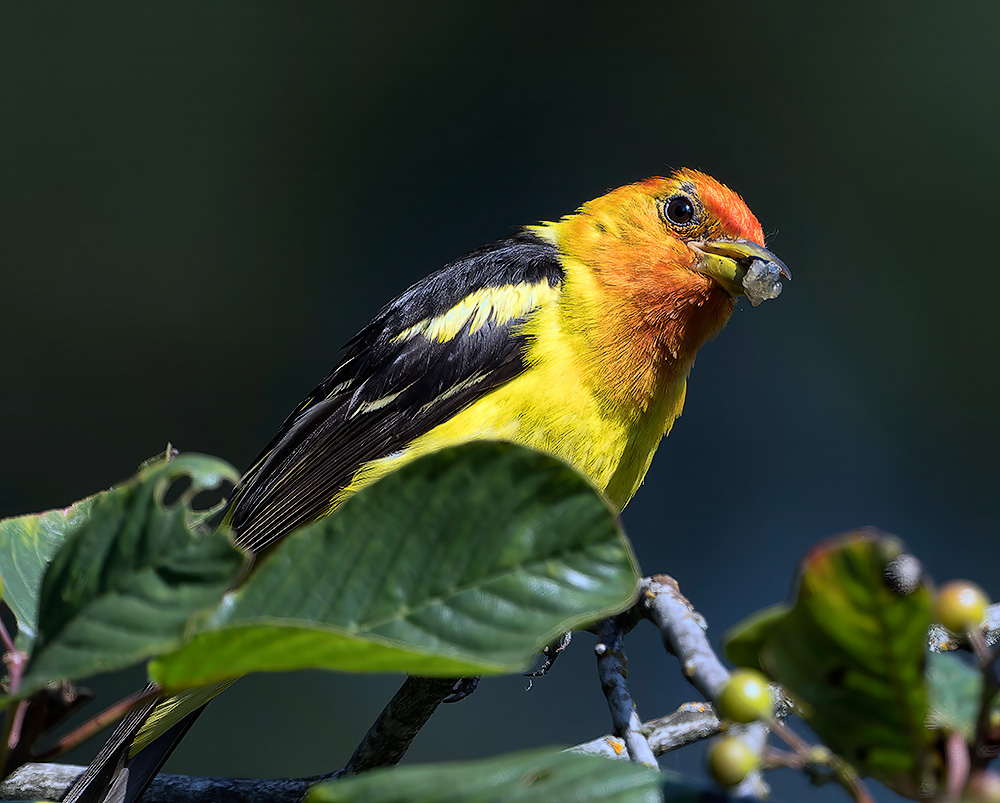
(680, 210)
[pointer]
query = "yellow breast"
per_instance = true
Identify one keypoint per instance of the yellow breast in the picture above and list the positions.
(560, 405)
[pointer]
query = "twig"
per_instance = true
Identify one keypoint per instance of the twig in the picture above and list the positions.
(97, 723)
(39, 714)
(8, 734)
(811, 759)
(987, 744)
(51, 781)
(14, 661)
(850, 781)
(6, 641)
(791, 738)
(407, 712)
(612, 669)
(683, 631)
(956, 761)
(691, 723)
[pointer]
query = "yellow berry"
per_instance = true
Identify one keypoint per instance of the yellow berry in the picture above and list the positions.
(745, 697)
(960, 606)
(730, 760)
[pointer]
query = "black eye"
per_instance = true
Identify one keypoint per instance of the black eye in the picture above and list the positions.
(680, 210)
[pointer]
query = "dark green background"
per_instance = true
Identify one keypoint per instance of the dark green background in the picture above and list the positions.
(200, 203)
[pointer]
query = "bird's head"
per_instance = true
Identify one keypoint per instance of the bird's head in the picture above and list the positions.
(653, 270)
(685, 231)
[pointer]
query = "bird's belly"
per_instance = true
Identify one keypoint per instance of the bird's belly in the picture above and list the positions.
(561, 418)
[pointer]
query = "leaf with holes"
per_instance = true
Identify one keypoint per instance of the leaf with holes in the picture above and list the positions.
(465, 561)
(851, 650)
(132, 576)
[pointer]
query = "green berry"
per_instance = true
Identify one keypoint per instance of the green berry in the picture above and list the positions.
(960, 606)
(730, 760)
(745, 697)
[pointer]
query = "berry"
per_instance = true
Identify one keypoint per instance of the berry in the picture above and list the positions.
(960, 606)
(730, 760)
(745, 697)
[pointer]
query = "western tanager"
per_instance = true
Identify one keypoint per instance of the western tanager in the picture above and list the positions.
(574, 337)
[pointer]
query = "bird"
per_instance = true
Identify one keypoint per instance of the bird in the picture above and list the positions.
(574, 337)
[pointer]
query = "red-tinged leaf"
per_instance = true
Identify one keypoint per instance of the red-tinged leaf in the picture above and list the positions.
(851, 651)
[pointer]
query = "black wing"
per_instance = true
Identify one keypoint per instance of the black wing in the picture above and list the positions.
(390, 389)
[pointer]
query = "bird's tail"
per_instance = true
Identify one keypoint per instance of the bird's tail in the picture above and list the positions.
(139, 747)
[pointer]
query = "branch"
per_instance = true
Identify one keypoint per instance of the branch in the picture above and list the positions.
(52, 781)
(690, 723)
(683, 631)
(407, 712)
(612, 669)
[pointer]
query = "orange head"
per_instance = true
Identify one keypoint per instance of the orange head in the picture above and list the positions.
(659, 228)
(658, 265)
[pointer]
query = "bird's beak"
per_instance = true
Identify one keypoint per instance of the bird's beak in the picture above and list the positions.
(727, 261)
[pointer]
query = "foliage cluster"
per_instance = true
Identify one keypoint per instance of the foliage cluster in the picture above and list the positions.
(468, 562)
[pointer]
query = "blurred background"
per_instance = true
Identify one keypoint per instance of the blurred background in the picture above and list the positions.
(200, 203)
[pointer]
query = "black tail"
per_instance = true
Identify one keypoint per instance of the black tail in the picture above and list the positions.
(112, 776)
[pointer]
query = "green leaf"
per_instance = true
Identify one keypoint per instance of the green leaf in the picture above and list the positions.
(541, 776)
(27, 544)
(851, 651)
(743, 642)
(465, 561)
(132, 576)
(954, 691)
